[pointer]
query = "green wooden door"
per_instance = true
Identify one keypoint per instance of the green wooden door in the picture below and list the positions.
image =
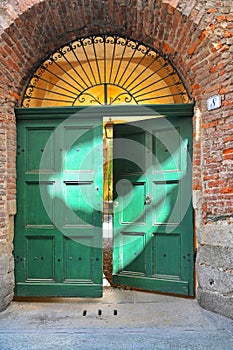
(58, 233)
(153, 223)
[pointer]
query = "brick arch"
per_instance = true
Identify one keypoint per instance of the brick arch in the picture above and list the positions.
(31, 39)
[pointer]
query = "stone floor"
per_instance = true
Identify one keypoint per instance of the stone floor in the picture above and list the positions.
(122, 319)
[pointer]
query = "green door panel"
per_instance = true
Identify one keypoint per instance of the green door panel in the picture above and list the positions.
(132, 248)
(133, 203)
(36, 139)
(35, 213)
(166, 255)
(58, 232)
(153, 218)
(40, 252)
(80, 257)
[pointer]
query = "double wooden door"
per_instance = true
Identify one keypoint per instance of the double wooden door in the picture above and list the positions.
(58, 230)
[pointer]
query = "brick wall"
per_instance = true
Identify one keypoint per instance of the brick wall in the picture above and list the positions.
(197, 37)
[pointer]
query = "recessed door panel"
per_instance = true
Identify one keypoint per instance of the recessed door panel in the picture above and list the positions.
(166, 149)
(79, 148)
(78, 200)
(166, 255)
(132, 251)
(36, 141)
(79, 261)
(40, 261)
(36, 215)
(133, 196)
(166, 207)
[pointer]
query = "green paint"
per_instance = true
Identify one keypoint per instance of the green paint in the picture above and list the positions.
(153, 235)
(153, 244)
(58, 232)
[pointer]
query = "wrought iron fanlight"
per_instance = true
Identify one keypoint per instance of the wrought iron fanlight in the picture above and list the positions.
(104, 70)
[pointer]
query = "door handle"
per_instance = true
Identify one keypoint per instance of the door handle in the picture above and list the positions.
(148, 199)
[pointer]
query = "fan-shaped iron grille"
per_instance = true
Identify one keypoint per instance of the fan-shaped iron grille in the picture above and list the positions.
(104, 70)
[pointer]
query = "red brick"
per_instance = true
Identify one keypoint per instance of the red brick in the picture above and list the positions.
(209, 125)
(221, 18)
(226, 90)
(203, 34)
(228, 156)
(196, 86)
(227, 103)
(196, 187)
(167, 49)
(193, 47)
(218, 183)
(228, 34)
(14, 94)
(228, 190)
(228, 151)
(212, 10)
(217, 46)
(228, 138)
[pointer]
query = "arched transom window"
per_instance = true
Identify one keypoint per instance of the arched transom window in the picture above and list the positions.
(104, 70)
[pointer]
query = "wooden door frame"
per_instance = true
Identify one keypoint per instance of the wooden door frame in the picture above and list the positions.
(166, 110)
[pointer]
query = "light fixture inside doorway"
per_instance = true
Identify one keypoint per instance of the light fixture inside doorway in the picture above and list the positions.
(108, 128)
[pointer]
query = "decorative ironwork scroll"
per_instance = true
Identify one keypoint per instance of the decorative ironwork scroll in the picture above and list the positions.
(104, 69)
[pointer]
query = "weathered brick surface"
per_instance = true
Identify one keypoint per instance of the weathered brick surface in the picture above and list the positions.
(196, 35)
